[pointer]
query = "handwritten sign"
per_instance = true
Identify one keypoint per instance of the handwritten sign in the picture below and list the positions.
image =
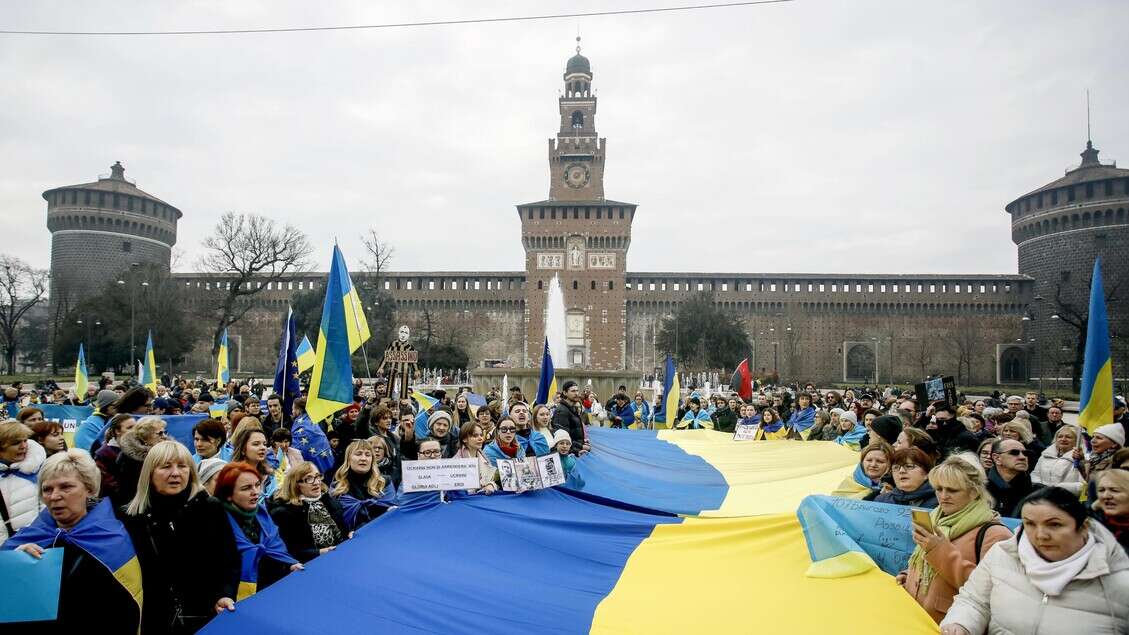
(401, 357)
(439, 475)
(746, 432)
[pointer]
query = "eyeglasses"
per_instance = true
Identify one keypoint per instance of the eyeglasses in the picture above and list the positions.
(507, 429)
(429, 452)
(162, 433)
(908, 467)
(312, 479)
(1013, 452)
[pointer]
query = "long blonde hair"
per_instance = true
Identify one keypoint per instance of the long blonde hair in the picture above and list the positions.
(161, 453)
(289, 492)
(375, 484)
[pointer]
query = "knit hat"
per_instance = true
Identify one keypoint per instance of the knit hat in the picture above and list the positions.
(1113, 431)
(560, 435)
(209, 468)
(105, 398)
(888, 427)
(849, 416)
(838, 411)
(436, 416)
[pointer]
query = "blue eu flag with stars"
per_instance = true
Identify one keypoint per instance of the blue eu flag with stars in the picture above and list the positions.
(286, 371)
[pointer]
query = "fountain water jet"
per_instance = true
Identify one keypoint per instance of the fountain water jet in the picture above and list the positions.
(555, 326)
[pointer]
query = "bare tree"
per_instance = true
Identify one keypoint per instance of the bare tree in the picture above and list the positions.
(379, 254)
(968, 344)
(21, 288)
(923, 355)
(1077, 316)
(250, 251)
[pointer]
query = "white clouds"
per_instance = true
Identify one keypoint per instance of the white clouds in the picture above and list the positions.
(800, 137)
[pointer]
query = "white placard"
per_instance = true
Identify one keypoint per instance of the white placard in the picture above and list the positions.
(523, 475)
(601, 261)
(550, 260)
(439, 474)
(746, 432)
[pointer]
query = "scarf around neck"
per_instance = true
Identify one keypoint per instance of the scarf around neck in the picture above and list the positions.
(973, 515)
(1052, 577)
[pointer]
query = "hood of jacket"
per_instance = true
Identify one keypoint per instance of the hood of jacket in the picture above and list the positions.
(36, 455)
(133, 447)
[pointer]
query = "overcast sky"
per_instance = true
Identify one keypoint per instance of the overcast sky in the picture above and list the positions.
(803, 137)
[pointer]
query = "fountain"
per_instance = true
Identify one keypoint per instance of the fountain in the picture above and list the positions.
(555, 327)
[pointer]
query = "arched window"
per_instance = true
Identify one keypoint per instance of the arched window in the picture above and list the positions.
(577, 119)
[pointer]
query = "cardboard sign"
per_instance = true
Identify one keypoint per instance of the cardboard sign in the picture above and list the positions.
(439, 475)
(934, 390)
(746, 432)
(532, 473)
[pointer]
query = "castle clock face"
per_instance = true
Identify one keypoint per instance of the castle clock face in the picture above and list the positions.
(576, 176)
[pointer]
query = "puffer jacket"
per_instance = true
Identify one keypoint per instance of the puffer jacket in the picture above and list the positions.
(954, 562)
(1056, 470)
(19, 490)
(998, 597)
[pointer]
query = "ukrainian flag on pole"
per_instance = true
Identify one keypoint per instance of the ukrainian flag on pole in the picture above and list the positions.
(343, 330)
(305, 355)
(81, 379)
(672, 394)
(149, 366)
(223, 371)
(547, 385)
(1096, 404)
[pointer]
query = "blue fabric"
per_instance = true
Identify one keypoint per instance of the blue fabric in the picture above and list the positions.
(698, 421)
(179, 427)
(772, 427)
(861, 478)
(637, 468)
(493, 452)
(99, 534)
(801, 420)
(91, 429)
(311, 441)
(559, 556)
(853, 438)
(286, 369)
(270, 544)
(357, 511)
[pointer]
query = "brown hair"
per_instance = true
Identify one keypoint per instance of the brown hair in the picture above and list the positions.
(27, 412)
(882, 447)
(915, 456)
(239, 442)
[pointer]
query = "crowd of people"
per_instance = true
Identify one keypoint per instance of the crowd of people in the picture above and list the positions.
(264, 489)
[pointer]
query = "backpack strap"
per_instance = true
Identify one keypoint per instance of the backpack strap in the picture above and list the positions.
(980, 533)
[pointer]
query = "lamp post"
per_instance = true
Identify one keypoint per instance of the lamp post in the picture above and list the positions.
(132, 313)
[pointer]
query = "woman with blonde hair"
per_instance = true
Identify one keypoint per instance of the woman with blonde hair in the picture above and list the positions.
(1111, 508)
(310, 521)
(1057, 465)
(20, 461)
(183, 541)
(964, 528)
(363, 493)
(866, 481)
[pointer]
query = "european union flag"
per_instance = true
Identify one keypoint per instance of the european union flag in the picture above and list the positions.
(286, 370)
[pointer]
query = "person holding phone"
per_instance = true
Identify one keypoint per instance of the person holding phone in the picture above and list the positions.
(964, 528)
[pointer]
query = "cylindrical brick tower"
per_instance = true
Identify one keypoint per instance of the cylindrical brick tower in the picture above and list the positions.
(98, 230)
(1060, 229)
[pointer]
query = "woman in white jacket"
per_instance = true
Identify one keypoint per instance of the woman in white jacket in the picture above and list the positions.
(1060, 574)
(20, 460)
(1057, 464)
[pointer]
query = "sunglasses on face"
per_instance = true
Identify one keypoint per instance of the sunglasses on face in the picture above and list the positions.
(1013, 452)
(507, 429)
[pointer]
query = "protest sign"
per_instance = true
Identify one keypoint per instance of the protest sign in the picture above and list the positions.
(36, 597)
(934, 390)
(68, 416)
(746, 432)
(439, 475)
(523, 475)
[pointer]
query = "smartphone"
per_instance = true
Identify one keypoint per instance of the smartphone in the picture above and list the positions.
(921, 517)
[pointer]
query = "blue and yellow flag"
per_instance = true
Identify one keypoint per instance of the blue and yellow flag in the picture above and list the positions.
(305, 355)
(331, 384)
(547, 384)
(81, 379)
(100, 534)
(149, 367)
(1096, 402)
(223, 371)
(672, 397)
(426, 402)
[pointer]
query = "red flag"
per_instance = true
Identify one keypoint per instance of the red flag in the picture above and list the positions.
(742, 381)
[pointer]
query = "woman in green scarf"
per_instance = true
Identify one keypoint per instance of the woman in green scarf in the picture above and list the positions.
(964, 528)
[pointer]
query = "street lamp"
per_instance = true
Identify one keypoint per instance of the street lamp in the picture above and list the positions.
(132, 312)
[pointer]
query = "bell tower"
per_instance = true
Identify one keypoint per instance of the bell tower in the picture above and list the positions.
(579, 236)
(576, 156)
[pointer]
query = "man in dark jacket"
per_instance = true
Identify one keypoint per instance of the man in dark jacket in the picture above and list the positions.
(724, 419)
(949, 434)
(1008, 481)
(570, 417)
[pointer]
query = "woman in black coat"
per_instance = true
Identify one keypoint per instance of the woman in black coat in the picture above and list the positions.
(309, 520)
(184, 544)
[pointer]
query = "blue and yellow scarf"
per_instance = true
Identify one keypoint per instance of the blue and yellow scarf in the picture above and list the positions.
(270, 544)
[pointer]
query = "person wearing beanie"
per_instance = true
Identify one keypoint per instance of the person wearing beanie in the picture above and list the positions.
(851, 433)
(92, 427)
(562, 445)
(1105, 441)
(886, 428)
(208, 468)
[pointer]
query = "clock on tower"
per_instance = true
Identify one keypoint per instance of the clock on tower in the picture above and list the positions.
(576, 156)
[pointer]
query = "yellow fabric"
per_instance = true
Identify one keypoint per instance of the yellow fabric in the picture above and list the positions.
(843, 565)
(779, 435)
(1099, 409)
(850, 488)
(246, 590)
(766, 478)
(746, 575)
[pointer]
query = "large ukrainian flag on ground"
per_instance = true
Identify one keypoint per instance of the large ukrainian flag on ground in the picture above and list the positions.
(687, 533)
(343, 330)
(1096, 403)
